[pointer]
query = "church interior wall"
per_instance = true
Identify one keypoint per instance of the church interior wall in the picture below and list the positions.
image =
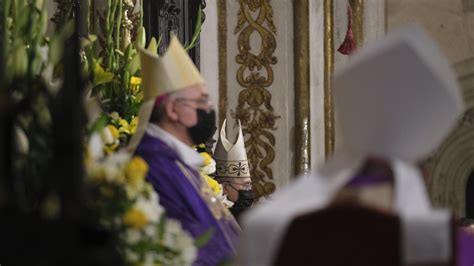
(450, 23)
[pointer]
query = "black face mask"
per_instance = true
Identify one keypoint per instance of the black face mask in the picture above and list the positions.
(205, 127)
(245, 201)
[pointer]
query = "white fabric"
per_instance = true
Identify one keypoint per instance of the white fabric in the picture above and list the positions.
(189, 156)
(397, 97)
(265, 225)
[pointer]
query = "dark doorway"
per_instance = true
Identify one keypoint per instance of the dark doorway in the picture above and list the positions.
(470, 196)
(160, 17)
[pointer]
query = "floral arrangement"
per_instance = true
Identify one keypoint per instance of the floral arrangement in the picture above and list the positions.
(112, 67)
(119, 195)
(125, 203)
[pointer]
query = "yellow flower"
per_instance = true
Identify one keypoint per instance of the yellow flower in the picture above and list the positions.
(128, 128)
(101, 76)
(216, 188)
(202, 146)
(135, 81)
(113, 131)
(136, 170)
(206, 158)
(135, 218)
(135, 85)
(109, 149)
(134, 124)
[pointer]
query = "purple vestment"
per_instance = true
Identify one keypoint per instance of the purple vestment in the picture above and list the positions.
(183, 202)
(465, 240)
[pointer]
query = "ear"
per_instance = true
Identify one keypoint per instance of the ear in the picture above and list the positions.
(225, 189)
(170, 109)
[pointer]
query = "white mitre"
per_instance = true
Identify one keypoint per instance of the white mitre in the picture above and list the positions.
(231, 159)
(397, 99)
(174, 71)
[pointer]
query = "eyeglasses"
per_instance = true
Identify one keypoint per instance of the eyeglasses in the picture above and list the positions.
(243, 186)
(201, 102)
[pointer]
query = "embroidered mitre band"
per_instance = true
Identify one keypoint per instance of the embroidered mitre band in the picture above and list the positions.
(231, 159)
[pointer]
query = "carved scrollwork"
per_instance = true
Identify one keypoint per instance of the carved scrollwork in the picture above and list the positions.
(255, 75)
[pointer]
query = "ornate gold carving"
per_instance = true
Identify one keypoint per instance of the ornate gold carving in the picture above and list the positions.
(302, 95)
(328, 73)
(222, 40)
(255, 75)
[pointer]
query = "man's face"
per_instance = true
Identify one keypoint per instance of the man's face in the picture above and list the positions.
(233, 185)
(188, 101)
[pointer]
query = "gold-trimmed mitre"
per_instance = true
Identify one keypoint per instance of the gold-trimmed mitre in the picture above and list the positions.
(171, 72)
(231, 159)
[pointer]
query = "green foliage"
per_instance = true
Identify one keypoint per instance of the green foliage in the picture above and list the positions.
(32, 78)
(110, 65)
(204, 238)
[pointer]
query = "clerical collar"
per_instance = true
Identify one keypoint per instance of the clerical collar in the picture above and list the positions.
(184, 152)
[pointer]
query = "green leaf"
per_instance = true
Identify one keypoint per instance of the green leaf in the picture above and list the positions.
(55, 50)
(128, 52)
(20, 61)
(141, 38)
(197, 31)
(134, 65)
(101, 76)
(43, 20)
(201, 240)
(88, 41)
(67, 29)
(39, 4)
(99, 124)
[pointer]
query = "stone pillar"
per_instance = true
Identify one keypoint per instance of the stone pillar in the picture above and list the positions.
(209, 51)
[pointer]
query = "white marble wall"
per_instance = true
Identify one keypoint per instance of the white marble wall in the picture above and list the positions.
(209, 51)
(374, 20)
(450, 22)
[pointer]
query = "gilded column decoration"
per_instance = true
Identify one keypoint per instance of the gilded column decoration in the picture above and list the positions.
(328, 74)
(358, 24)
(255, 75)
(302, 94)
